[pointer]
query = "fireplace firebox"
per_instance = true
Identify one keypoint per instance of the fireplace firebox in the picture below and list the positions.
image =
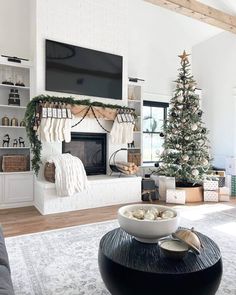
(90, 148)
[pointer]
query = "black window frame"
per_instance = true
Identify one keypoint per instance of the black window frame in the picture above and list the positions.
(156, 104)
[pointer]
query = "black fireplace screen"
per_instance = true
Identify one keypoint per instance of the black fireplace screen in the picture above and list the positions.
(90, 148)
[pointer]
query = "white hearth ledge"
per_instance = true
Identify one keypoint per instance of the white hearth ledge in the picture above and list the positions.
(103, 191)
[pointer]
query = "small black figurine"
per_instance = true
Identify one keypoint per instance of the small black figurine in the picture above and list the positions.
(15, 142)
(132, 144)
(21, 142)
(6, 140)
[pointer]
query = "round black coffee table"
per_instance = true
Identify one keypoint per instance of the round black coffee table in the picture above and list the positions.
(129, 267)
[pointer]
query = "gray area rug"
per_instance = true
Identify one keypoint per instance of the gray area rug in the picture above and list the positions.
(65, 261)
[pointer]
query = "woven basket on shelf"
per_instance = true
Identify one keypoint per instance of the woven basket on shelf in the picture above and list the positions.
(49, 172)
(14, 163)
(134, 157)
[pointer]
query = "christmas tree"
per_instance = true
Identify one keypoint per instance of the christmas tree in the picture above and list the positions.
(186, 147)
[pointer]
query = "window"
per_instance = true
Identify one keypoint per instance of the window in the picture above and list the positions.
(154, 114)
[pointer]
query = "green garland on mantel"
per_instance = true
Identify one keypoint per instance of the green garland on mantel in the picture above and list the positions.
(35, 143)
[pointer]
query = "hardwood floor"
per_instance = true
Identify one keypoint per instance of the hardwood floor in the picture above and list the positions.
(28, 220)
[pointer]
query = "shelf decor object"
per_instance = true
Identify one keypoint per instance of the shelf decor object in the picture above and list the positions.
(14, 97)
(5, 121)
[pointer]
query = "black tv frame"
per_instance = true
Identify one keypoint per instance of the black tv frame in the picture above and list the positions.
(77, 93)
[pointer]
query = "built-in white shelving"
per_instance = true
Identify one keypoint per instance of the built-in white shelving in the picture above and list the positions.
(16, 173)
(135, 101)
(12, 106)
(14, 148)
(16, 188)
(13, 127)
(134, 148)
(15, 73)
(14, 87)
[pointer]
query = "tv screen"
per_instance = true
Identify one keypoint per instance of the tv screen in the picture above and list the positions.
(83, 71)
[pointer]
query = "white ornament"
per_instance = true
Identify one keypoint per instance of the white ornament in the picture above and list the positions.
(205, 162)
(177, 146)
(186, 138)
(195, 172)
(185, 158)
(180, 98)
(194, 127)
(180, 106)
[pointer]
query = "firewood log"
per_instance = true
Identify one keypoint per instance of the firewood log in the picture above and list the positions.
(120, 166)
(128, 164)
(124, 171)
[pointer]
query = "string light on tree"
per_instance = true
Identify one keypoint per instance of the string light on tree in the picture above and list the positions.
(185, 137)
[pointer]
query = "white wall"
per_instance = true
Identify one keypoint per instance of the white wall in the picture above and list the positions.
(15, 28)
(100, 25)
(214, 68)
(156, 37)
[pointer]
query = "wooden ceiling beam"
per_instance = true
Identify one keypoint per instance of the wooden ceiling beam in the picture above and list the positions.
(201, 12)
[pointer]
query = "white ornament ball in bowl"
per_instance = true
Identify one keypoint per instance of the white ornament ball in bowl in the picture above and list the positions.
(143, 222)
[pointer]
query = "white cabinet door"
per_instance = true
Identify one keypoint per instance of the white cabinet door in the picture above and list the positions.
(1, 188)
(18, 188)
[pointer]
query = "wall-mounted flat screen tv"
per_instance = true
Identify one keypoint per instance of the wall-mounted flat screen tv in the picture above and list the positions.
(83, 71)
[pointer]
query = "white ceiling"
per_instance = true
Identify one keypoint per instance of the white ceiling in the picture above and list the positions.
(228, 6)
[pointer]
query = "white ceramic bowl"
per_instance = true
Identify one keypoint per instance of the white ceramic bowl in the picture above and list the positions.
(148, 231)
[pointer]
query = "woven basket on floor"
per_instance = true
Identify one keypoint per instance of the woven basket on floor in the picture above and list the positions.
(49, 172)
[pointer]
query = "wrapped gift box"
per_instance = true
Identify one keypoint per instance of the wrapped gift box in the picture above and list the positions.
(224, 191)
(221, 181)
(210, 185)
(175, 196)
(224, 198)
(155, 178)
(211, 196)
(149, 195)
(224, 194)
(228, 181)
(233, 185)
(220, 173)
(148, 184)
(164, 184)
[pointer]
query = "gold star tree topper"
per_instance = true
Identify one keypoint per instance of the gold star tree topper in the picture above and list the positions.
(184, 56)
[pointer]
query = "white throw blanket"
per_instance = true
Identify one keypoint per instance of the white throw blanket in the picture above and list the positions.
(70, 175)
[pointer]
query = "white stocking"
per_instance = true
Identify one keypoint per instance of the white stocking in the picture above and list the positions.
(67, 130)
(57, 130)
(60, 130)
(45, 126)
(52, 129)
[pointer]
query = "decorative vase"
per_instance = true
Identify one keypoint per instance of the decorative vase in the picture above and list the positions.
(14, 122)
(5, 121)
